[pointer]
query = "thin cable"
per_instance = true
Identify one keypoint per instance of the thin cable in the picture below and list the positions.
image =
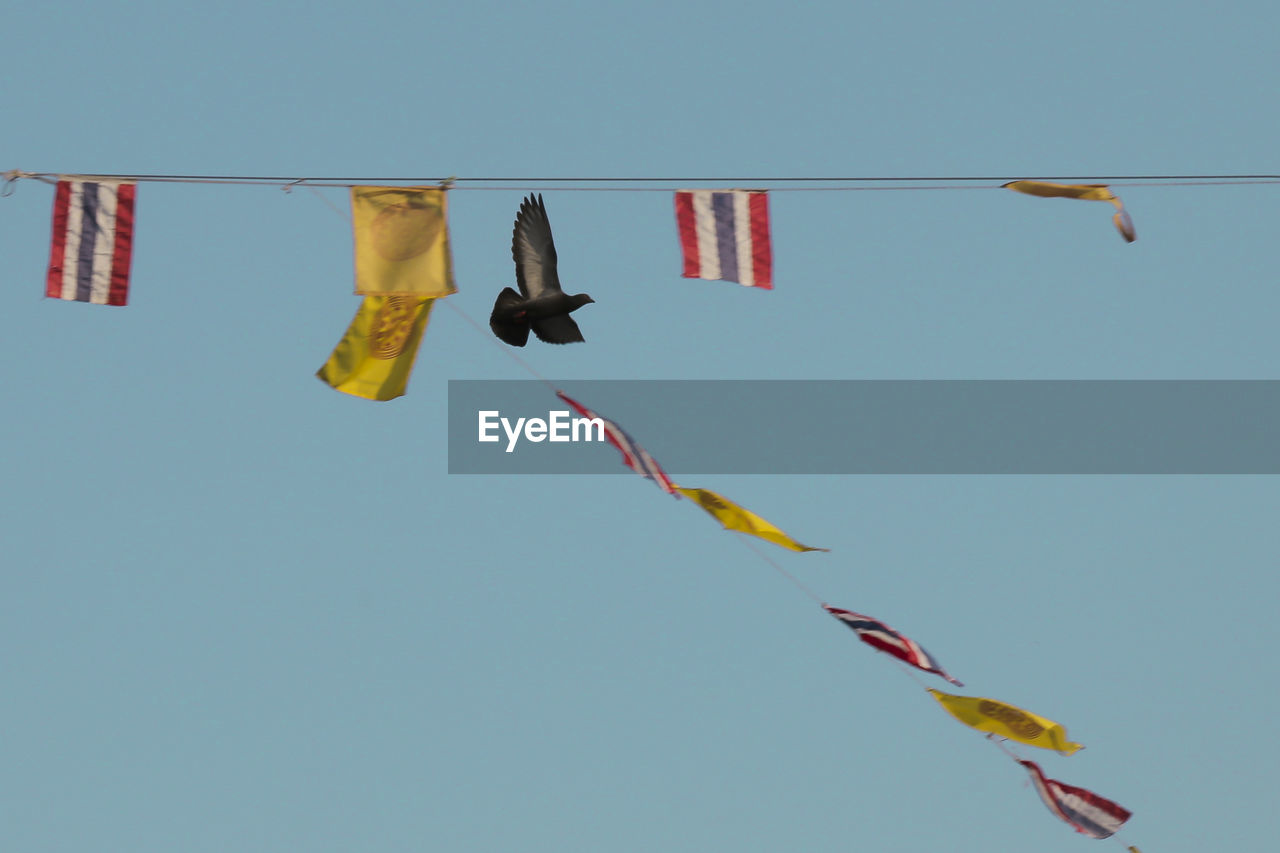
(487, 336)
(1240, 183)
(1000, 746)
(911, 673)
(669, 189)
(751, 181)
(786, 574)
(343, 213)
(899, 178)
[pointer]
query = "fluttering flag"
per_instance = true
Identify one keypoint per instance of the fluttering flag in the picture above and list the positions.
(375, 357)
(1006, 721)
(725, 236)
(880, 636)
(92, 241)
(402, 241)
(734, 517)
(634, 456)
(1088, 813)
(1086, 192)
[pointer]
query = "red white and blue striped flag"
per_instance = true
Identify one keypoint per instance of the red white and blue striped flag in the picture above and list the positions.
(880, 636)
(725, 236)
(634, 456)
(92, 241)
(1088, 813)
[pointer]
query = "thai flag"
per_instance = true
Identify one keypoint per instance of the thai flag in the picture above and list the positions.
(725, 236)
(1088, 813)
(880, 636)
(634, 456)
(92, 241)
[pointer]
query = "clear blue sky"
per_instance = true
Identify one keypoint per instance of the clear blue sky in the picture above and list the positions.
(243, 612)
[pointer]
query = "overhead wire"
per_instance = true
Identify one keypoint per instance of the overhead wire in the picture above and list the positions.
(634, 183)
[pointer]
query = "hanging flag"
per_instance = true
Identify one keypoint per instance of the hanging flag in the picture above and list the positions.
(1095, 816)
(1087, 192)
(725, 236)
(880, 636)
(734, 517)
(92, 241)
(402, 241)
(375, 357)
(987, 715)
(634, 456)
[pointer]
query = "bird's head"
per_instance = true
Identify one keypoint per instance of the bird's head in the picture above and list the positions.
(581, 299)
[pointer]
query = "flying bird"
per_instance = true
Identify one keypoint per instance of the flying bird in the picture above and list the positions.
(540, 305)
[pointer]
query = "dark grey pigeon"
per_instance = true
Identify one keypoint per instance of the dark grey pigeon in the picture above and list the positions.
(540, 305)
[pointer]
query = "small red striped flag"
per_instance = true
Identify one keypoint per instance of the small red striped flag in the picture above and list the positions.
(634, 456)
(880, 636)
(725, 236)
(92, 241)
(1088, 813)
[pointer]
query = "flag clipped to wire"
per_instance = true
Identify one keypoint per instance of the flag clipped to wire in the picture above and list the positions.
(92, 241)
(988, 715)
(634, 456)
(375, 356)
(1085, 811)
(402, 241)
(724, 235)
(1086, 192)
(880, 636)
(734, 517)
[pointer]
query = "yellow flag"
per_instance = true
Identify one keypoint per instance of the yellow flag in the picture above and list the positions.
(987, 715)
(1087, 192)
(734, 517)
(375, 357)
(402, 241)
(1044, 189)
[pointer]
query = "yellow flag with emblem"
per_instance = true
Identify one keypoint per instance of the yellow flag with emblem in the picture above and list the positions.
(988, 715)
(375, 357)
(1085, 192)
(734, 517)
(402, 241)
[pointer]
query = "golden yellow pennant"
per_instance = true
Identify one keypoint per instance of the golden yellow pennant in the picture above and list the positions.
(1086, 192)
(734, 517)
(402, 241)
(987, 715)
(375, 357)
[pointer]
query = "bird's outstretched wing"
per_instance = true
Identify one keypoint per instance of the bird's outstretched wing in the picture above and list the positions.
(533, 250)
(504, 322)
(558, 329)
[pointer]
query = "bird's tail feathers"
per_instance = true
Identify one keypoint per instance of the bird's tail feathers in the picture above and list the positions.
(507, 300)
(559, 329)
(503, 322)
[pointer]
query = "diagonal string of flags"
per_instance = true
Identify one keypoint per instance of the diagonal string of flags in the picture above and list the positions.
(1086, 812)
(403, 263)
